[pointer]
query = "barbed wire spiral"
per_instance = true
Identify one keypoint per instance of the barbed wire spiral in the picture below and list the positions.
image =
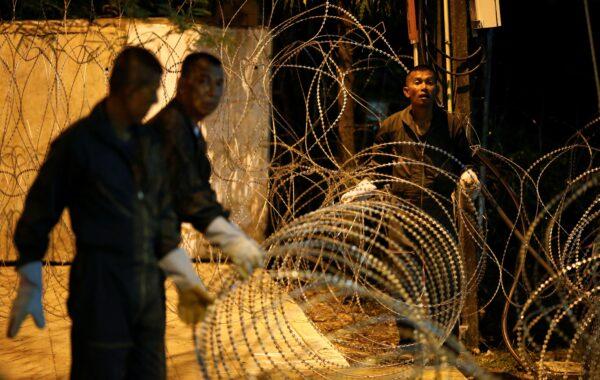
(557, 275)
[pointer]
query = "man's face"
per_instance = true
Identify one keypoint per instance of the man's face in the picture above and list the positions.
(203, 88)
(138, 100)
(421, 88)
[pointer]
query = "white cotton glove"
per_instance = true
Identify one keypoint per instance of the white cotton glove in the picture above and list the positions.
(360, 192)
(28, 300)
(194, 298)
(242, 250)
(469, 183)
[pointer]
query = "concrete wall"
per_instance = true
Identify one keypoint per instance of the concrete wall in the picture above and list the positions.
(53, 73)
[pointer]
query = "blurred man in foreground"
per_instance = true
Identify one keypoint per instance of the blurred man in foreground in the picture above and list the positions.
(199, 91)
(108, 171)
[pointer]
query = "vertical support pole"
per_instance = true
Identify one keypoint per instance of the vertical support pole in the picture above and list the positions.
(346, 126)
(413, 32)
(485, 128)
(448, 63)
(462, 107)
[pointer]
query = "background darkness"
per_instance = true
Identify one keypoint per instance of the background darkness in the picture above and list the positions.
(543, 81)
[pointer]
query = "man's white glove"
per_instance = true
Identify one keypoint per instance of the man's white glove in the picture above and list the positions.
(28, 300)
(194, 298)
(360, 192)
(241, 249)
(469, 183)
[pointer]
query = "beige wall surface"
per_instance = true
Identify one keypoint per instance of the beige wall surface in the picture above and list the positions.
(53, 73)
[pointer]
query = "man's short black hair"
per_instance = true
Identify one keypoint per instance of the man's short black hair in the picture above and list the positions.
(193, 58)
(131, 68)
(423, 67)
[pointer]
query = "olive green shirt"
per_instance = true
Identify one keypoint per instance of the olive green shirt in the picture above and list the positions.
(413, 163)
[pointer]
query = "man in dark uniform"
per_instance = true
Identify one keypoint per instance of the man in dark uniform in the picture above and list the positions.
(199, 91)
(424, 122)
(110, 174)
(411, 166)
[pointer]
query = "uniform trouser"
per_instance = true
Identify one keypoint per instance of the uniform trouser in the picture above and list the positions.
(395, 232)
(118, 315)
(140, 357)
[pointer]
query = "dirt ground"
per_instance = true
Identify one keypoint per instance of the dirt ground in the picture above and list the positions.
(374, 343)
(360, 329)
(501, 364)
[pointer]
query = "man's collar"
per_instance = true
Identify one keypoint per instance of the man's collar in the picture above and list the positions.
(409, 121)
(188, 120)
(407, 117)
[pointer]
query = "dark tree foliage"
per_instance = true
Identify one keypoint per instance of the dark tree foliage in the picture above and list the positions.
(179, 10)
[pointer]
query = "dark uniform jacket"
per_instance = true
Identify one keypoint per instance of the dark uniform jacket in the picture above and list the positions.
(185, 148)
(446, 132)
(118, 199)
